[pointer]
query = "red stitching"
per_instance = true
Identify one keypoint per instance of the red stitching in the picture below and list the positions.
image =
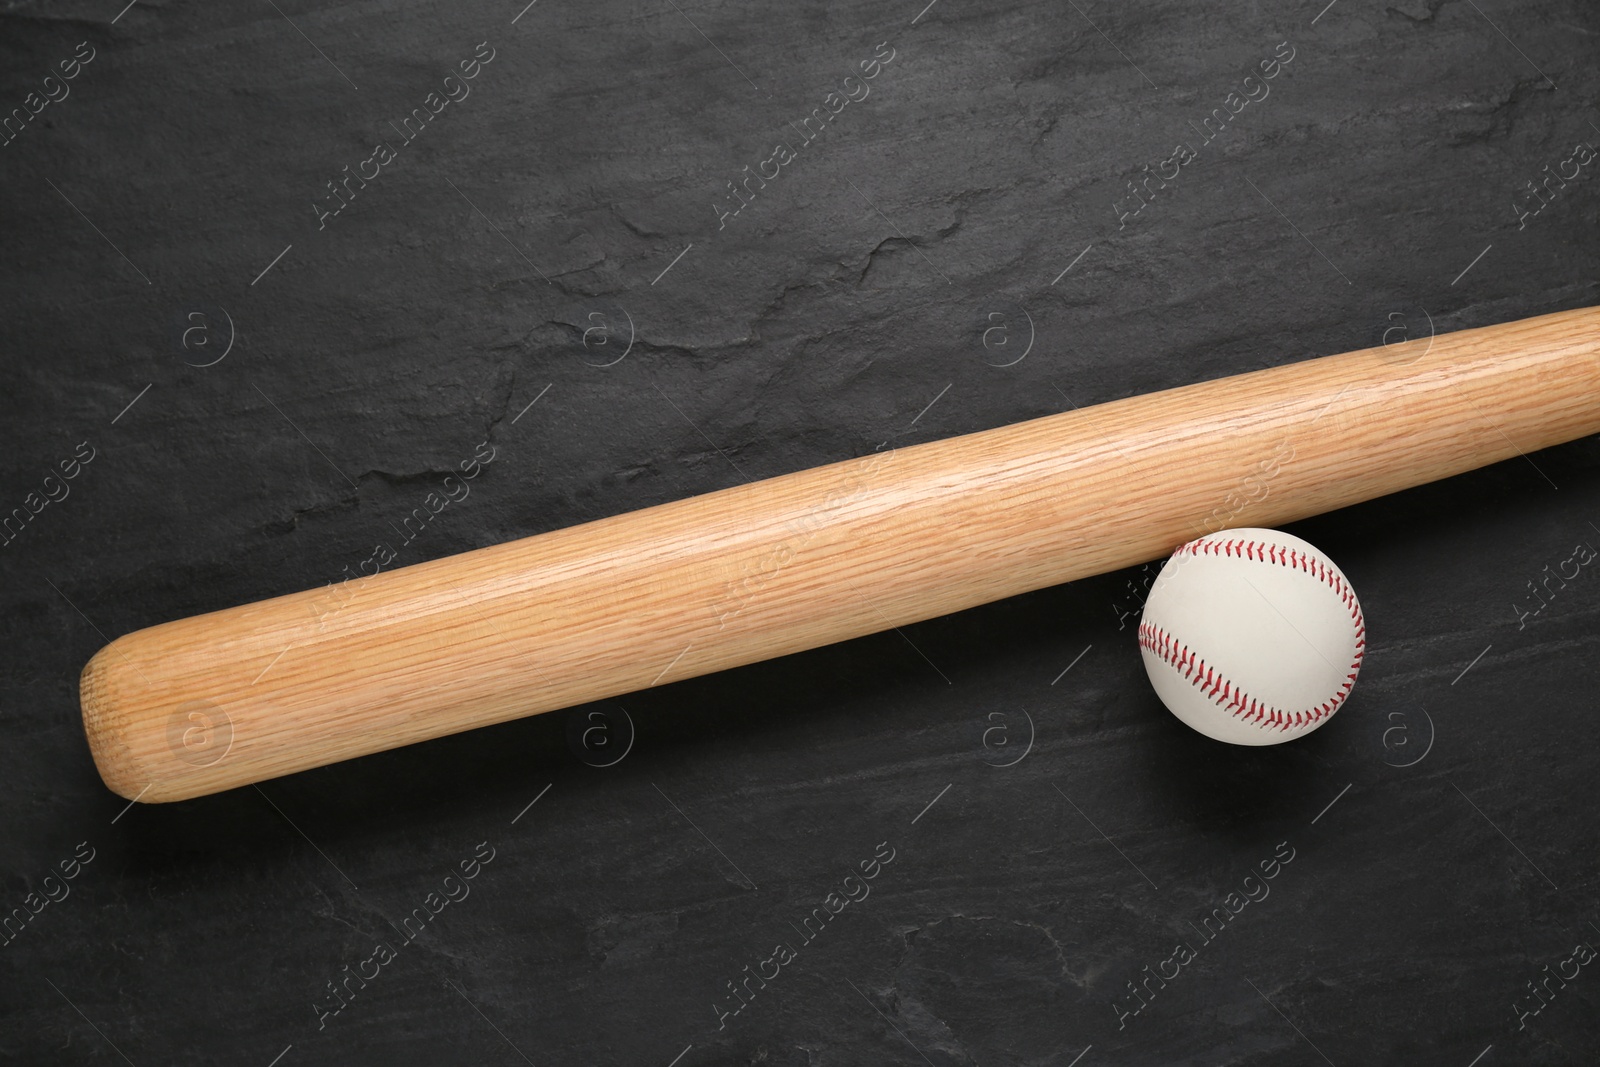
(1222, 692)
(1291, 558)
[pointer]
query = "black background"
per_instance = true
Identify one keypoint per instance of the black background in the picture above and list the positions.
(846, 306)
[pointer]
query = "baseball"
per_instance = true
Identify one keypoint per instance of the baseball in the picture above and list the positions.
(1252, 636)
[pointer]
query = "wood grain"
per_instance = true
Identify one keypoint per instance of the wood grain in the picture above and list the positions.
(762, 570)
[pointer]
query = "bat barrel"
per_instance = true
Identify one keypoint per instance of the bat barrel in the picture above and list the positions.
(198, 705)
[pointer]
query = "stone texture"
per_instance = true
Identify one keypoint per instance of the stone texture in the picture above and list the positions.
(851, 293)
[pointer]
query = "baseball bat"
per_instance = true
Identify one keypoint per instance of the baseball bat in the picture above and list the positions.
(768, 568)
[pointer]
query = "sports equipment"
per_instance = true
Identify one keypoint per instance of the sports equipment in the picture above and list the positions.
(774, 567)
(1251, 636)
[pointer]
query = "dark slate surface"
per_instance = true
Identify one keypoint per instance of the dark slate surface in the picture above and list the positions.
(167, 205)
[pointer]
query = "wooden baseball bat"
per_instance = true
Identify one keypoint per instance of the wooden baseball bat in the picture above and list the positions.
(794, 562)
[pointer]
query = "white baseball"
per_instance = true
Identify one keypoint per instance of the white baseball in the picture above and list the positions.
(1251, 636)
